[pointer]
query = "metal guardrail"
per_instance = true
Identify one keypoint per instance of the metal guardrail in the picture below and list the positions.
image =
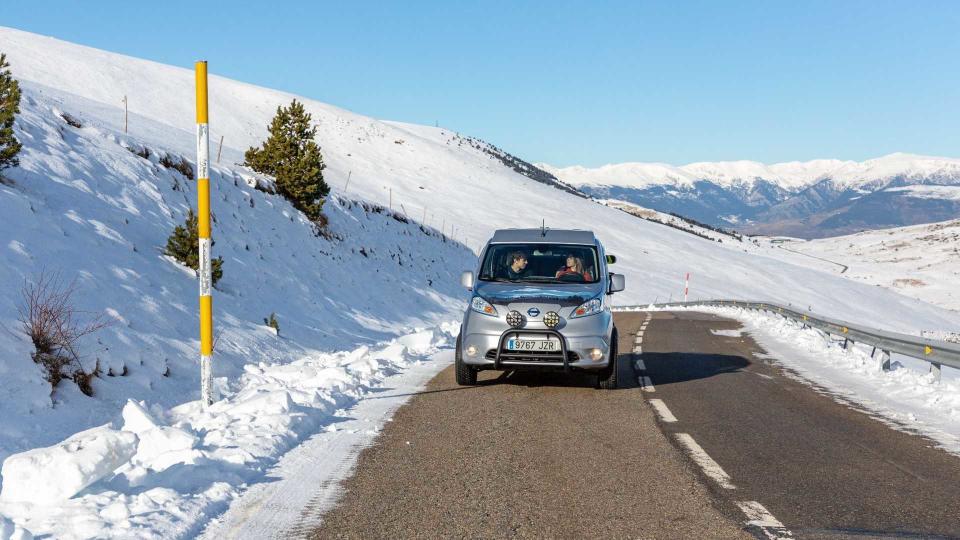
(937, 353)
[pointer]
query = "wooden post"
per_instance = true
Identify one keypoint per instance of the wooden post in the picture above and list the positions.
(220, 149)
(347, 184)
(124, 113)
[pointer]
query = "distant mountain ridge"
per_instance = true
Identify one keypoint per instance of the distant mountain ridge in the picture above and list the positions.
(825, 197)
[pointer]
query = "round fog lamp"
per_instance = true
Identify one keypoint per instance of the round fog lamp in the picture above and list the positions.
(472, 350)
(514, 319)
(596, 354)
(551, 319)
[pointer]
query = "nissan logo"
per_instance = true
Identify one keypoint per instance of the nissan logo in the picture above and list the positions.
(533, 312)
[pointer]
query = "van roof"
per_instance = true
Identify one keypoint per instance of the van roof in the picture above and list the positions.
(543, 236)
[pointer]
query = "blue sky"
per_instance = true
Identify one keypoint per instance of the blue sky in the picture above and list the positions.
(579, 82)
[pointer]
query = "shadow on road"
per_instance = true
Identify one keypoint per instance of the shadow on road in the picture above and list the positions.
(671, 368)
(575, 379)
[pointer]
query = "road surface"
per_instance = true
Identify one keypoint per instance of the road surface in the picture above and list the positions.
(707, 440)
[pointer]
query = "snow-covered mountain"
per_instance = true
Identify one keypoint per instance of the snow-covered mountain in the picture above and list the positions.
(409, 208)
(808, 199)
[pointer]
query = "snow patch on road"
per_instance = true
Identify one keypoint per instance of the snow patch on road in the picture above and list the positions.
(726, 333)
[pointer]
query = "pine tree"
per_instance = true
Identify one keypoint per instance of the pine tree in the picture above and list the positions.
(9, 108)
(184, 246)
(292, 157)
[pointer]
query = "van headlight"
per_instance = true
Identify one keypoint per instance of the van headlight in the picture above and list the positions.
(482, 306)
(590, 307)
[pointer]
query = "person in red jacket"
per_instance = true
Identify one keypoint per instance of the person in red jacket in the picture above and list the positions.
(574, 266)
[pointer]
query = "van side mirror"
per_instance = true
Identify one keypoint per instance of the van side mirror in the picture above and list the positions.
(611, 259)
(617, 283)
(466, 279)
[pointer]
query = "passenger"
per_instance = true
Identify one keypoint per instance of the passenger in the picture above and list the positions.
(517, 268)
(574, 266)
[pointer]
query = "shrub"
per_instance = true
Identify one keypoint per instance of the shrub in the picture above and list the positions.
(272, 322)
(141, 151)
(178, 164)
(9, 108)
(184, 246)
(47, 316)
(71, 121)
(293, 158)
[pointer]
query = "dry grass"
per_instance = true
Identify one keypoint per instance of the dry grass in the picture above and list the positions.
(48, 316)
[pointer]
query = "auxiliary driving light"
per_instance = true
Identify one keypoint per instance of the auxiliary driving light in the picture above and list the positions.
(596, 354)
(551, 319)
(514, 319)
(471, 350)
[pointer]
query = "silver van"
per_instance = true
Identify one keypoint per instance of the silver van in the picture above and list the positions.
(540, 302)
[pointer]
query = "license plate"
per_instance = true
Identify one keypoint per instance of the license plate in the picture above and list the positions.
(533, 345)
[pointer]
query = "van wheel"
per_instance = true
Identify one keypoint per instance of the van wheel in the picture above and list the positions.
(607, 379)
(466, 375)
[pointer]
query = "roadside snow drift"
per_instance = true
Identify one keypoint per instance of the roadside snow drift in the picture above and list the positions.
(163, 474)
(48, 475)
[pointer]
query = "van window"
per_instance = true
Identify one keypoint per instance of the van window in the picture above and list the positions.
(540, 263)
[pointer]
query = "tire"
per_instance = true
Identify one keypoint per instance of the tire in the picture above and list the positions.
(607, 379)
(466, 375)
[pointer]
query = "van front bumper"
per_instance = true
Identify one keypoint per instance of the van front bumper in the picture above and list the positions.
(489, 351)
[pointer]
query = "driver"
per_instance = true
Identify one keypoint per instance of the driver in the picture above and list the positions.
(517, 267)
(574, 266)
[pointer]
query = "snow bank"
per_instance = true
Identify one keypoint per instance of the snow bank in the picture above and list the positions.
(10, 531)
(48, 475)
(160, 446)
(167, 472)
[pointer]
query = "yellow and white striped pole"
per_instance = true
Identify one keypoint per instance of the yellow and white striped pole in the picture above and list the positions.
(203, 230)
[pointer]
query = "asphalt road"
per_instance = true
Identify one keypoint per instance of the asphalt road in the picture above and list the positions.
(717, 444)
(525, 456)
(823, 469)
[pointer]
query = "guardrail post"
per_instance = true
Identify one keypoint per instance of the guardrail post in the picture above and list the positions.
(885, 360)
(935, 369)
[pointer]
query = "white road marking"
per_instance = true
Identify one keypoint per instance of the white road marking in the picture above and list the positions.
(758, 516)
(639, 365)
(761, 375)
(639, 339)
(710, 467)
(662, 411)
(646, 384)
(638, 350)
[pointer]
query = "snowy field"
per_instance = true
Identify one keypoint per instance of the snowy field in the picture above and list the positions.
(922, 261)
(87, 203)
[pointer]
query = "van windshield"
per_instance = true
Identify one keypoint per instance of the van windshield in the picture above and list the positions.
(540, 263)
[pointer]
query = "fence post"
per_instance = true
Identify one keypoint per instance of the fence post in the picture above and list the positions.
(935, 370)
(205, 243)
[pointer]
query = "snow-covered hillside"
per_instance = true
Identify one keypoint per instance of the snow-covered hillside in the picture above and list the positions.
(922, 261)
(87, 203)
